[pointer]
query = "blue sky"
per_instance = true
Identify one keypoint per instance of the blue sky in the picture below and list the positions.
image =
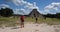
(26, 6)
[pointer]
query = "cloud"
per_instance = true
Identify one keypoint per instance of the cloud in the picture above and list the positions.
(4, 6)
(31, 6)
(53, 7)
(17, 2)
(26, 5)
(20, 11)
(22, 2)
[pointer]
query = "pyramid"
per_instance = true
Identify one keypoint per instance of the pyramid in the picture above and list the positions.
(36, 13)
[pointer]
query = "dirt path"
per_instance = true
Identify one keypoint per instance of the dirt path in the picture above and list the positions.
(32, 27)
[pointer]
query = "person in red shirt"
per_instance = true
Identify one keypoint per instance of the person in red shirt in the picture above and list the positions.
(22, 20)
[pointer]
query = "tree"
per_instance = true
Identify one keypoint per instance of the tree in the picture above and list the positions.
(57, 15)
(7, 12)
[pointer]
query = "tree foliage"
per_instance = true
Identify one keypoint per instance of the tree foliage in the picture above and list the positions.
(7, 12)
(57, 15)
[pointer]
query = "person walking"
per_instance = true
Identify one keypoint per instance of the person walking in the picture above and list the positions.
(22, 20)
(35, 18)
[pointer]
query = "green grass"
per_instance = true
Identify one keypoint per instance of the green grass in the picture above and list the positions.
(12, 21)
(8, 21)
(52, 21)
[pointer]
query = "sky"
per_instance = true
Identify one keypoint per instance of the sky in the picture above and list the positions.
(26, 6)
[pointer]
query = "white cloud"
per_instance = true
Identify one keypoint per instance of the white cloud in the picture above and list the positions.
(31, 6)
(22, 2)
(56, 3)
(20, 11)
(27, 5)
(17, 2)
(52, 7)
(4, 6)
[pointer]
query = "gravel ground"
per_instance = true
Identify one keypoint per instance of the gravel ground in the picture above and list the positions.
(32, 27)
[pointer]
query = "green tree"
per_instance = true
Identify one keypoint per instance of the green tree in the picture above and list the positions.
(7, 12)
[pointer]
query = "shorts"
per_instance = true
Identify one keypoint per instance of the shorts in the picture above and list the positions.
(22, 22)
(36, 18)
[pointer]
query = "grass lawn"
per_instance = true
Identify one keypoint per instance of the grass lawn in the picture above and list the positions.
(52, 21)
(12, 21)
(8, 21)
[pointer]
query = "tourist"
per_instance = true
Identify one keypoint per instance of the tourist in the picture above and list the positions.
(22, 20)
